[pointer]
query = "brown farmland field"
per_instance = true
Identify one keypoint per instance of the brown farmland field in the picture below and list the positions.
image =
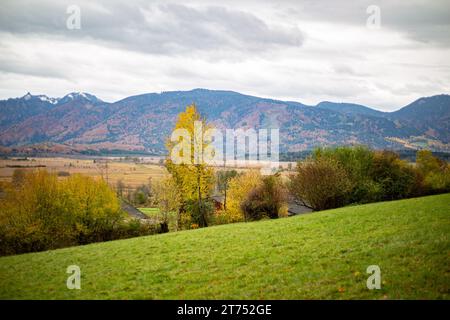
(132, 173)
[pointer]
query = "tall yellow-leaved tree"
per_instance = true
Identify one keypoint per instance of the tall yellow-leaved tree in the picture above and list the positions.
(195, 179)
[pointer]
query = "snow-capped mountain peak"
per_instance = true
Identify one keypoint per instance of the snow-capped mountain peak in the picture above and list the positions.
(78, 95)
(41, 97)
(48, 99)
(83, 96)
(27, 97)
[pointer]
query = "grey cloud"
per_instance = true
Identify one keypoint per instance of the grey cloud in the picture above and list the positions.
(152, 28)
(12, 62)
(422, 20)
(32, 70)
(343, 69)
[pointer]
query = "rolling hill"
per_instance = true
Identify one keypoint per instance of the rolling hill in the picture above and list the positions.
(80, 121)
(323, 255)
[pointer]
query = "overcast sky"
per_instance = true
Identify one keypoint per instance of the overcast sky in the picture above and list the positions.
(307, 51)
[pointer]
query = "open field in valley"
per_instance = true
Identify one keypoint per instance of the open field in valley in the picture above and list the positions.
(132, 173)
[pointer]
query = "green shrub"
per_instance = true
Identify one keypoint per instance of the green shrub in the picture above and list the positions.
(366, 176)
(438, 182)
(366, 191)
(199, 215)
(135, 228)
(357, 162)
(435, 172)
(427, 163)
(396, 177)
(321, 184)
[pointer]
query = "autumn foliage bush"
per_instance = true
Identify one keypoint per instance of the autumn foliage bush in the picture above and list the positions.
(265, 200)
(39, 212)
(321, 184)
(238, 189)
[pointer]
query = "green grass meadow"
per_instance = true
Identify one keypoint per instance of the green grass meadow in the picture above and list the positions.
(150, 212)
(323, 255)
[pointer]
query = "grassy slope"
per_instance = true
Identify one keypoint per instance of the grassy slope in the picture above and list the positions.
(321, 255)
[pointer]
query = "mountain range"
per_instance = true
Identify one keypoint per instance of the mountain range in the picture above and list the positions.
(79, 122)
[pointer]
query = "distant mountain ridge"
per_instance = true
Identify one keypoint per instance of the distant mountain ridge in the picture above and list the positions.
(349, 108)
(80, 121)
